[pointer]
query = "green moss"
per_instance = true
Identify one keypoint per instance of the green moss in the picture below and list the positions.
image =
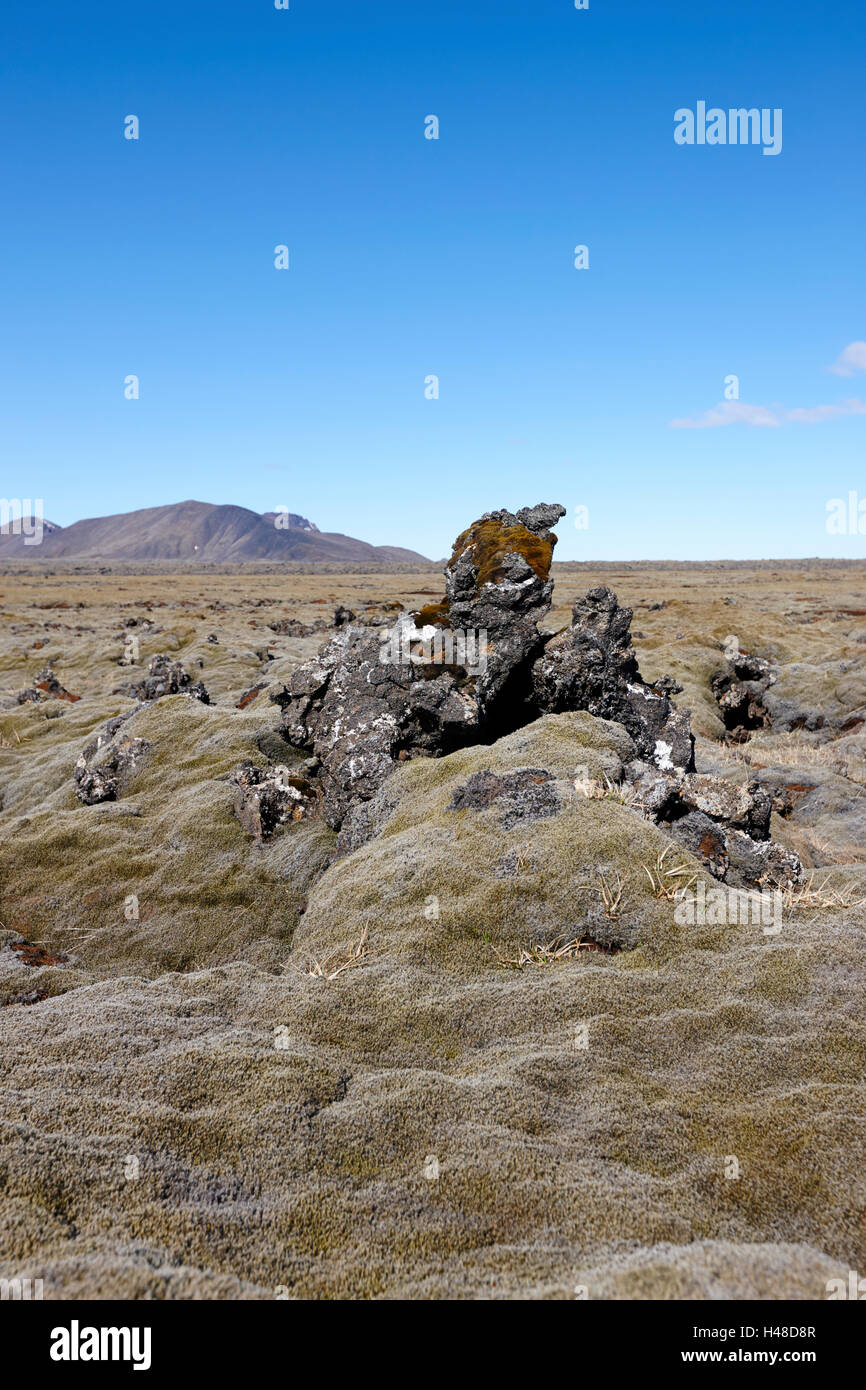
(303, 1166)
(783, 976)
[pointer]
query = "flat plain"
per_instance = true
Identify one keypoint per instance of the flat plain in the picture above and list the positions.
(236, 1068)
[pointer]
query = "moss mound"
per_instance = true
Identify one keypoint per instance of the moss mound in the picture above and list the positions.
(370, 1078)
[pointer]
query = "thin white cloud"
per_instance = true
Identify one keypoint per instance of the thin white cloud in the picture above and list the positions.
(728, 413)
(851, 360)
(819, 413)
(760, 416)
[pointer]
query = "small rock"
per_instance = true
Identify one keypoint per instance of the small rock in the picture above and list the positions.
(167, 677)
(249, 695)
(526, 795)
(48, 686)
(105, 780)
(269, 797)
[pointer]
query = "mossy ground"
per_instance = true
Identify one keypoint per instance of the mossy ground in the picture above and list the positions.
(187, 1111)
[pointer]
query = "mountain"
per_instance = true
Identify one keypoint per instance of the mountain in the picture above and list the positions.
(199, 531)
(26, 526)
(284, 519)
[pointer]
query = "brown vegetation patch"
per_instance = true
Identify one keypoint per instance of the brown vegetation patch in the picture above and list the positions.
(35, 956)
(489, 542)
(433, 615)
(249, 695)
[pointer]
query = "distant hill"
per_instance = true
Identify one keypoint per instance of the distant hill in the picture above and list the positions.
(199, 531)
(11, 530)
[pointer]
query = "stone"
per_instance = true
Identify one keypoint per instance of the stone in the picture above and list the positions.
(760, 864)
(740, 689)
(525, 795)
(291, 627)
(453, 673)
(592, 666)
(746, 807)
(725, 825)
(705, 839)
(474, 667)
(118, 761)
(167, 677)
(46, 686)
(266, 798)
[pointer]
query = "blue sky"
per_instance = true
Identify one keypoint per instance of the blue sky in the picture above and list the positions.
(411, 257)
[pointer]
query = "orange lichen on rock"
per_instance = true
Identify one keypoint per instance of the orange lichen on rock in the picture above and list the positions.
(433, 615)
(489, 542)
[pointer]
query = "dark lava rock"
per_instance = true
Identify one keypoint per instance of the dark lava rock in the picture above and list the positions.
(290, 627)
(726, 826)
(107, 764)
(374, 614)
(526, 795)
(760, 863)
(592, 666)
(269, 797)
(746, 808)
(105, 735)
(705, 839)
(474, 667)
(497, 583)
(167, 677)
(740, 690)
(357, 712)
(785, 793)
(453, 673)
(46, 686)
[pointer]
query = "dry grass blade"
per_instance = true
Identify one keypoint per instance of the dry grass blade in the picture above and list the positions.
(611, 896)
(606, 790)
(814, 896)
(559, 949)
(785, 750)
(335, 965)
(660, 877)
(7, 742)
(843, 852)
